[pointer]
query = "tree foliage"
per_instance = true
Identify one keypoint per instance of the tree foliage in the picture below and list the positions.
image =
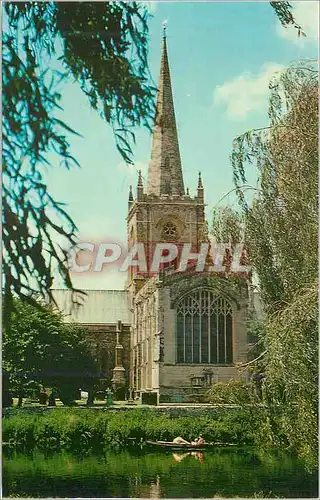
(41, 349)
(281, 233)
(103, 47)
(281, 224)
(283, 11)
(291, 373)
(228, 225)
(232, 392)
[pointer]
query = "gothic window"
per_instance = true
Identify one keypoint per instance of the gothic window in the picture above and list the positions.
(204, 329)
(169, 231)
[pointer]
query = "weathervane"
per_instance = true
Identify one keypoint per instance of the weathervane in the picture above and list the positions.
(164, 27)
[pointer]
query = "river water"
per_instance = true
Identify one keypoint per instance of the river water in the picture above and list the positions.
(145, 474)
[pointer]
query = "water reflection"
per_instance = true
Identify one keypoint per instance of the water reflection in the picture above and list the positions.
(223, 473)
(155, 490)
(141, 490)
(198, 455)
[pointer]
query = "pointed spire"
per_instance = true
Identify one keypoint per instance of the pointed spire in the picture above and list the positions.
(165, 173)
(140, 183)
(200, 186)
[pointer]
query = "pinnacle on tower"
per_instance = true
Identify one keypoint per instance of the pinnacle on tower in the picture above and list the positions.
(200, 188)
(165, 173)
(139, 186)
(130, 198)
(130, 194)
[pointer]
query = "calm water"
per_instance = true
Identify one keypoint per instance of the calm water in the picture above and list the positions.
(223, 472)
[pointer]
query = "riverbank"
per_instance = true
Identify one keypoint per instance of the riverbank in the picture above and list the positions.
(84, 429)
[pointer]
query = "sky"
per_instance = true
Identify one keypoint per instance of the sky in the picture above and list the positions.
(222, 56)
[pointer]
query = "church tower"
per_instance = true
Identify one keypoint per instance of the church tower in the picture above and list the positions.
(188, 330)
(162, 210)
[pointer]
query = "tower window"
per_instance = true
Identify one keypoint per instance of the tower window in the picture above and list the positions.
(204, 329)
(169, 230)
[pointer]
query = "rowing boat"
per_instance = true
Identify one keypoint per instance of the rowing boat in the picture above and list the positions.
(183, 446)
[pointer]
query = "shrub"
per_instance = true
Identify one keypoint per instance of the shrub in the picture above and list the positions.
(236, 392)
(80, 429)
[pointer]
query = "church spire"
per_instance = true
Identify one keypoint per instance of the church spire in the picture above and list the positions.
(165, 173)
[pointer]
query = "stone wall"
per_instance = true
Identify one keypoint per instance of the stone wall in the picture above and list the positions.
(103, 341)
(177, 385)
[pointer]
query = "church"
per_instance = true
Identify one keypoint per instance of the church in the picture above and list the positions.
(180, 331)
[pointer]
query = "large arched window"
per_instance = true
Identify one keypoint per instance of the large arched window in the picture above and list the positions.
(204, 328)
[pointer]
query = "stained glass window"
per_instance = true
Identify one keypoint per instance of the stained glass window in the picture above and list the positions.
(204, 329)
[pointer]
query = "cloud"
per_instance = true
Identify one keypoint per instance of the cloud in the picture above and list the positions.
(246, 93)
(306, 14)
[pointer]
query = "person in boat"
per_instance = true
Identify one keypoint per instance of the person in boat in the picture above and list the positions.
(180, 440)
(197, 442)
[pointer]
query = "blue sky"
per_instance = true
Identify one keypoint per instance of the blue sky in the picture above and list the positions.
(221, 56)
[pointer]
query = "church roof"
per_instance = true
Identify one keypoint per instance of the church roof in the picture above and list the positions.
(165, 173)
(99, 306)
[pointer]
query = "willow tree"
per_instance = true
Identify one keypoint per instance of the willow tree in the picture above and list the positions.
(281, 232)
(102, 46)
(228, 225)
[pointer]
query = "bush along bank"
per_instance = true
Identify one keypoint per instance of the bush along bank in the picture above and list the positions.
(72, 429)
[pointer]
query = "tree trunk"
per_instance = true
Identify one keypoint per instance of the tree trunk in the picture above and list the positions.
(52, 400)
(90, 398)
